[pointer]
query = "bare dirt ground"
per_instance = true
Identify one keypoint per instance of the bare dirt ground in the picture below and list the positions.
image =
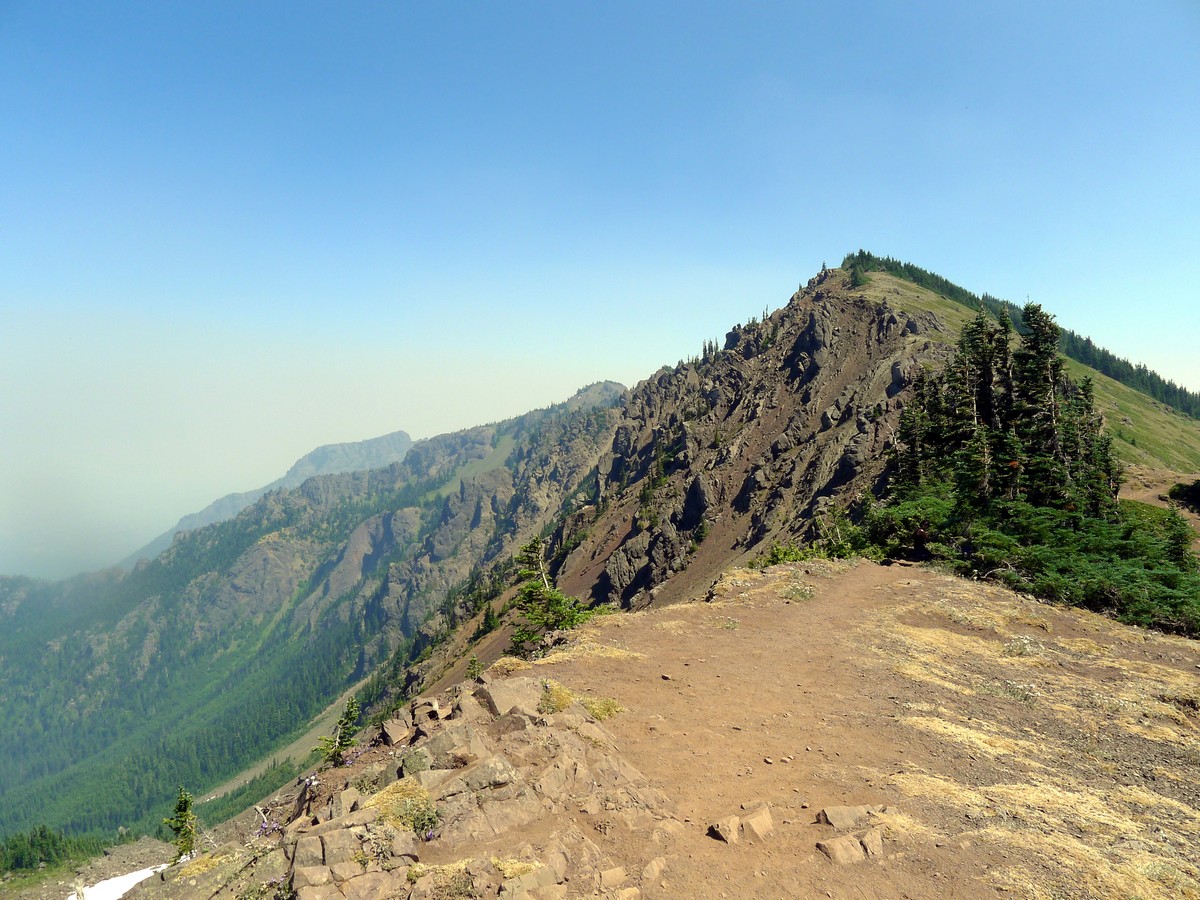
(1021, 749)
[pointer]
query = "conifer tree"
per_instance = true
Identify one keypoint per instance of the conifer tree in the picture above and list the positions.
(542, 607)
(184, 825)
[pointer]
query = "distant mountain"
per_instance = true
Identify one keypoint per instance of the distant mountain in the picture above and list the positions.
(118, 686)
(331, 459)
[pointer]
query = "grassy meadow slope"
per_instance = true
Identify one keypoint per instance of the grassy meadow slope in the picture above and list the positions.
(1146, 432)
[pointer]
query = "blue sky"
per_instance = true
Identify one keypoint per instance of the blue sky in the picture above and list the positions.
(232, 232)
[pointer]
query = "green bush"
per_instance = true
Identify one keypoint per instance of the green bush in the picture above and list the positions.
(333, 747)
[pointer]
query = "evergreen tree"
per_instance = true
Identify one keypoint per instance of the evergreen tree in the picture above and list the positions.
(333, 747)
(542, 608)
(1037, 389)
(1003, 468)
(184, 825)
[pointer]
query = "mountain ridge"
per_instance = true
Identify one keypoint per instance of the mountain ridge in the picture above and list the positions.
(328, 459)
(644, 496)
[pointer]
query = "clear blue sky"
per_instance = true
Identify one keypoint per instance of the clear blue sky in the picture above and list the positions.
(230, 232)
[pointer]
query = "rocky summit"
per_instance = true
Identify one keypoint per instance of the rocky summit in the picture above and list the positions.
(745, 445)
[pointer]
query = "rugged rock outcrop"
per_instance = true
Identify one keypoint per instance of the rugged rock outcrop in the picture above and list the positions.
(356, 456)
(496, 788)
(746, 444)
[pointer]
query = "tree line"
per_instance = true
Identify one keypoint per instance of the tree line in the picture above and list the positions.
(1075, 346)
(1002, 469)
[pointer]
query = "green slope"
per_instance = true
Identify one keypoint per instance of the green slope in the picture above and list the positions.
(1146, 431)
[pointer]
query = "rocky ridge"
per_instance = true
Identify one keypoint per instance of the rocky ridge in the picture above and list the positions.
(355, 456)
(834, 729)
(747, 444)
(524, 779)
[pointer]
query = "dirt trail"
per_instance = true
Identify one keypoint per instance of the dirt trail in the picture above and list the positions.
(978, 717)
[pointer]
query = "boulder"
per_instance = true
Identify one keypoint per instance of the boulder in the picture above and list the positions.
(321, 892)
(853, 848)
(512, 695)
(757, 825)
(872, 842)
(493, 772)
(369, 886)
(394, 732)
(404, 845)
(654, 870)
(309, 852)
(844, 818)
(453, 747)
(611, 879)
(726, 829)
(340, 846)
(345, 802)
(311, 876)
(843, 850)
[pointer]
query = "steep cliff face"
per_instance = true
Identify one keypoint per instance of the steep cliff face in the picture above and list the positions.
(745, 444)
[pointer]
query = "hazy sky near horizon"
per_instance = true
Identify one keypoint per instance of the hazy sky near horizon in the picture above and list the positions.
(232, 232)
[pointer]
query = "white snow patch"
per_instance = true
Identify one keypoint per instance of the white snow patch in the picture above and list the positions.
(115, 888)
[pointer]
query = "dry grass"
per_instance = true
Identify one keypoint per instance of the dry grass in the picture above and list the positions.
(983, 739)
(402, 804)
(507, 665)
(601, 708)
(673, 626)
(1056, 783)
(585, 648)
(556, 697)
(515, 868)
(449, 881)
(201, 864)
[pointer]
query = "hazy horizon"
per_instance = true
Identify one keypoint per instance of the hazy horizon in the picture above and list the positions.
(233, 234)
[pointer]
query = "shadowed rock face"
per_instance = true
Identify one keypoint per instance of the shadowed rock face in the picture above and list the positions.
(714, 457)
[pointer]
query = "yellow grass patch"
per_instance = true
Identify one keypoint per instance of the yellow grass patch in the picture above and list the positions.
(556, 697)
(601, 708)
(507, 665)
(587, 649)
(402, 803)
(980, 739)
(897, 826)
(673, 626)
(1083, 646)
(1056, 795)
(1109, 860)
(950, 643)
(201, 864)
(933, 675)
(515, 868)
(449, 880)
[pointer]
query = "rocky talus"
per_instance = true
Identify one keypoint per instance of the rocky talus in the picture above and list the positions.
(529, 802)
